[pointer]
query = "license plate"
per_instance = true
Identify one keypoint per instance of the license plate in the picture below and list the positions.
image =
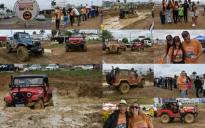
(40, 49)
(19, 105)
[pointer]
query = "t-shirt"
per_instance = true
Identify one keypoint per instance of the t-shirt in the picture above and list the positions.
(83, 11)
(192, 48)
(173, 3)
(58, 12)
(121, 123)
(183, 84)
(181, 110)
(141, 121)
(178, 56)
(181, 13)
(76, 12)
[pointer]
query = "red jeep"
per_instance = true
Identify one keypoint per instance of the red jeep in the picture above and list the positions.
(76, 41)
(168, 113)
(137, 46)
(29, 90)
(124, 79)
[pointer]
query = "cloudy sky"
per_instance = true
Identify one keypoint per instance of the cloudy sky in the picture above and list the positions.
(79, 2)
(128, 66)
(8, 32)
(119, 34)
(161, 34)
(169, 70)
(44, 4)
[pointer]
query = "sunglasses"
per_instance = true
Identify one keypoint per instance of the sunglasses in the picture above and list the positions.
(134, 107)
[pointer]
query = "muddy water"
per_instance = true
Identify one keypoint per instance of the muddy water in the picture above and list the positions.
(115, 23)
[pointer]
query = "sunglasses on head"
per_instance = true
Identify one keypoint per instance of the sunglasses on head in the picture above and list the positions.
(134, 107)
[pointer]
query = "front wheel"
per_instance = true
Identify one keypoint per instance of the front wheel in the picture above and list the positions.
(22, 53)
(8, 48)
(67, 49)
(106, 51)
(39, 104)
(85, 47)
(143, 83)
(165, 118)
(119, 51)
(124, 88)
(189, 118)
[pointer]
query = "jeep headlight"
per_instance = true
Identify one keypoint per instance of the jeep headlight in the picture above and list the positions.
(28, 94)
(14, 94)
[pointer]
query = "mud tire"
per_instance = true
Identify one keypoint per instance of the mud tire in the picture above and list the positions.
(124, 88)
(22, 53)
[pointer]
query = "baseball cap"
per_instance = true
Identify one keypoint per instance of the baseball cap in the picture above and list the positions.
(176, 38)
(185, 33)
(169, 37)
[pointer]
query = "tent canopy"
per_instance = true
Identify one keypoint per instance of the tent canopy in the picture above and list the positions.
(200, 38)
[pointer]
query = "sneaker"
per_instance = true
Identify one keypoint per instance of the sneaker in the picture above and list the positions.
(193, 25)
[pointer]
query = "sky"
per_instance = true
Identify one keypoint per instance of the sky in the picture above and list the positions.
(161, 34)
(119, 34)
(8, 32)
(128, 66)
(44, 4)
(79, 2)
(169, 70)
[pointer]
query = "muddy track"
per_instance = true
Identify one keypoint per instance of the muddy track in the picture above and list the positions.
(93, 55)
(11, 58)
(131, 57)
(76, 104)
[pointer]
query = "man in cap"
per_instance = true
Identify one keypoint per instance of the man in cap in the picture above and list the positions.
(119, 118)
(192, 47)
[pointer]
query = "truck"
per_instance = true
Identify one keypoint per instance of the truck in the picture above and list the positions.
(3, 41)
(22, 42)
(148, 43)
(137, 46)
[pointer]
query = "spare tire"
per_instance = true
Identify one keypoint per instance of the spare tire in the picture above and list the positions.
(108, 78)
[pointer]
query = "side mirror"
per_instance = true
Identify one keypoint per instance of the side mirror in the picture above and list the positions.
(9, 85)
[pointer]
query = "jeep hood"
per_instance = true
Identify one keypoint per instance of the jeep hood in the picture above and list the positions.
(189, 108)
(28, 89)
(80, 38)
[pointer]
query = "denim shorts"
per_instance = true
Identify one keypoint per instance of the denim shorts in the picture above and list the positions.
(183, 93)
(180, 17)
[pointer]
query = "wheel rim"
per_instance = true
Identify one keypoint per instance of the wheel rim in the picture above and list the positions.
(20, 54)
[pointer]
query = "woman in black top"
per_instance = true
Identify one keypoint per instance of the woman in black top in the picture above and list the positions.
(175, 12)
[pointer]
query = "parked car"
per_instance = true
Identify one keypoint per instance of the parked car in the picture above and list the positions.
(40, 17)
(93, 37)
(52, 67)
(87, 67)
(34, 67)
(6, 17)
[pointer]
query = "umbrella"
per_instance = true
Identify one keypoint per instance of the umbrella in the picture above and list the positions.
(87, 7)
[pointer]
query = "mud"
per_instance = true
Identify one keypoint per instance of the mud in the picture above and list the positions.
(93, 55)
(131, 57)
(76, 104)
(199, 121)
(135, 91)
(142, 21)
(200, 21)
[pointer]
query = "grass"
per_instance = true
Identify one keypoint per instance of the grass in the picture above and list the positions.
(20, 21)
(79, 73)
(93, 41)
(57, 45)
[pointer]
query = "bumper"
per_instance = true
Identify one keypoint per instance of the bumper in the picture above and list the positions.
(37, 49)
(75, 45)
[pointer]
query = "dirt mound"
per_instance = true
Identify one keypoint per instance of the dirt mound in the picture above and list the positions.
(150, 77)
(143, 7)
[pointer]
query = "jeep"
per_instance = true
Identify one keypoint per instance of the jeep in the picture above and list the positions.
(122, 46)
(167, 114)
(137, 46)
(76, 41)
(23, 43)
(124, 78)
(29, 90)
(112, 47)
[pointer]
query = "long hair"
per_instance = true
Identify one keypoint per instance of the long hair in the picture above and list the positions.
(163, 7)
(180, 48)
(188, 78)
(139, 110)
(168, 47)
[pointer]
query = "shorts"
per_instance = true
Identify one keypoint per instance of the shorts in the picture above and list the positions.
(180, 17)
(192, 14)
(175, 86)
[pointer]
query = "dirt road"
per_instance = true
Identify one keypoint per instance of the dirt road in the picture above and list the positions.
(88, 24)
(199, 121)
(131, 57)
(135, 91)
(76, 104)
(142, 21)
(200, 21)
(11, 58)
(93, 55)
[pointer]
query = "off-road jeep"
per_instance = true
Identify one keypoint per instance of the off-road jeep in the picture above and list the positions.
(124, 78)
(122, 46)
(113, 47)
(76, 41)
(29, 90)
(127, 14)
(168, 114)
(23, 43)
(137, 46)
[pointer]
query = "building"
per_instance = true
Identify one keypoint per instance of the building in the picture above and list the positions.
(46, 12)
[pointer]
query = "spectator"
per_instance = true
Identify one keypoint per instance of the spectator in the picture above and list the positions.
(181, 109)
(58, 17)
(65, 18)
(198, 85)
(181, 81)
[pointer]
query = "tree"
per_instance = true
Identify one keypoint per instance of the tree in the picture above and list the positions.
(198, 2)
(107, 35)
(136, 40)
(2, 7)
(132, 69)
(53, 3)
(42, 31)
(157, 40)
(180, 1)
(194, 73)
(34, 32)
(146, 39)
(150, 70)
(7, 10)
(125, 40)
(67, 32)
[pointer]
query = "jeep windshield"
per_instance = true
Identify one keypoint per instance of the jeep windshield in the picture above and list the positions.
(112, 42)
(24, 36)
(77, 35)
(28, 82)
